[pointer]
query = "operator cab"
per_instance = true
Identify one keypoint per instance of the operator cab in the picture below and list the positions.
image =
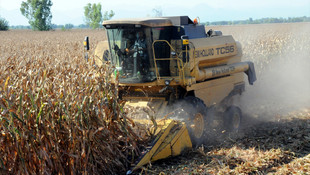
(135, 43)
(131, 52)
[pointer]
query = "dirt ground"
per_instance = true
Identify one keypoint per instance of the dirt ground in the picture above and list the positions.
(279, 146)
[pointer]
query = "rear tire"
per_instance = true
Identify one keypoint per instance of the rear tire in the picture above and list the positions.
(232, 119)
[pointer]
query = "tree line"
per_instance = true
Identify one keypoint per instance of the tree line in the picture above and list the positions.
(261, 21)
(236, 22)
(68, 26)
(39, 15)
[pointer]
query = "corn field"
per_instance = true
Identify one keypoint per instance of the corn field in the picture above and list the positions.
(59, 114)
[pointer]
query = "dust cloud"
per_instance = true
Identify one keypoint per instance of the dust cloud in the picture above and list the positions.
(284, 86)
(283, 75)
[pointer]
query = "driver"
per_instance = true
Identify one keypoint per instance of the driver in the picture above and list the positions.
(139, 47)
(129, 45)
(130, 42)
(138, 50)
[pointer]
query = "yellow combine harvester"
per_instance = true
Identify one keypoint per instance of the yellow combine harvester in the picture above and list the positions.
(174, 68)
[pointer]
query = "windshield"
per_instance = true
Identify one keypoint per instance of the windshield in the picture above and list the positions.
(131, 54)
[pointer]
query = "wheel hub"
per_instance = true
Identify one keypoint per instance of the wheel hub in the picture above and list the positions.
(236, 120)
(198, 125)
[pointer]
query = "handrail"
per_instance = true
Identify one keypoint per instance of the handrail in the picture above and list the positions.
(179, 62)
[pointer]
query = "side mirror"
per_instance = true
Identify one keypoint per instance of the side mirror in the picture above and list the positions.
(86, 47)
(86, 43)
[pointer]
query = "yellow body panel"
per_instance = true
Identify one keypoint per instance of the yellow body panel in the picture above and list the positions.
(213, 49)
(102, 53)
(214, 91)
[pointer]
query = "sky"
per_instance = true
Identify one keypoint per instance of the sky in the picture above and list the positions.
(71, 11)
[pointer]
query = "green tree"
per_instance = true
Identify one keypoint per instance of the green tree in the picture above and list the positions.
(69, 26)
(158, 12)
(250, 21)
(38, 13)
(4, 24)
(93, 15)
(107, 15)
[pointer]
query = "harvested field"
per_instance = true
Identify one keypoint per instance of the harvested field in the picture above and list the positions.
(57, 117)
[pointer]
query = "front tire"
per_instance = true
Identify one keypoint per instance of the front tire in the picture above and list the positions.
(193, 113)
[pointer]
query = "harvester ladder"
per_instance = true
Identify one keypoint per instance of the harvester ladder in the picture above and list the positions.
(180, 64)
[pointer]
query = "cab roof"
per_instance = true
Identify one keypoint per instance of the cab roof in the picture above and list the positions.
(150, 22)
